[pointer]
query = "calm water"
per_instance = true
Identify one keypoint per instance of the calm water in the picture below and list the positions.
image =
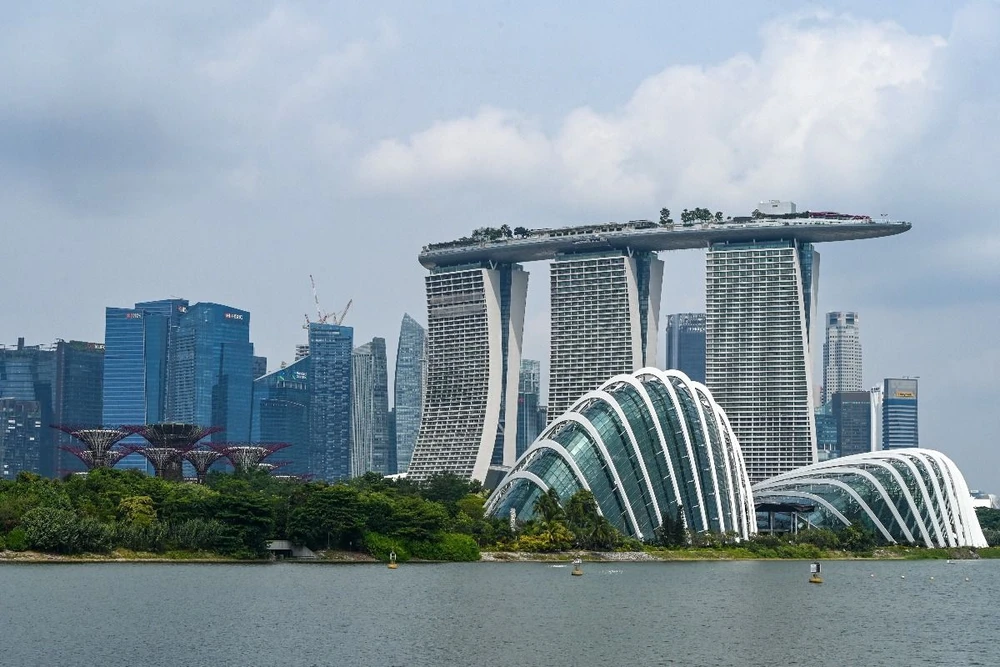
(756, 613)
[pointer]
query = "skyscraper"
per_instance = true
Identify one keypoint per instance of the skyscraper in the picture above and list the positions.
(369, 409)
(475, 318)
(281, 414)
(528, 426)
(259, 367)
(330, 348)
(135, 366)
(390, 427)
(408, 388)
(686, 344)
(211, 370)
(21, 433)
(760, 301)
(841, 354)
(899, 413)
(28, 376)
(604, 315)
(875, 396)
(79, 388)
(852, 411)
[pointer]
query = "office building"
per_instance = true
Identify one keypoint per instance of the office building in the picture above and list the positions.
(369, 409)
(875, 399)
(529, 387)
(852, 413)
(604, 316)
(79, 387)
(475, 317)
(135, 366)
(330, 349)
(281, 414)
(28, 377)
(21, 434)
(408, 388)
(211, 370)
(841, 354)
(827, 446)
(301, 351)
(899, 413)
(259, 365)
(760, 307)
(686, 344)
(390, 426)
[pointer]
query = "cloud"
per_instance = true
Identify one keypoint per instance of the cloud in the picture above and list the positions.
(826, 106)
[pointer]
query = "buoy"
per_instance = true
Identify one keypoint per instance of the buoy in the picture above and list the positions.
(815, 572)
(932, 578)
(966, 578)
(872, 575)
(577, 567)
(392, 560)
(902, 576)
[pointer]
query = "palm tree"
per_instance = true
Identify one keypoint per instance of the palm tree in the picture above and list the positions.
(548, 507)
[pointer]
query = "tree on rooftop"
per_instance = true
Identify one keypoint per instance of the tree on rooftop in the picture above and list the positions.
(665, 218)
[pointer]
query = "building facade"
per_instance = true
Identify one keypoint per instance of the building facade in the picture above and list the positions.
(79, 399)
(604, 312)
(528, 390)
(899, 413)
(28, 378)
(369, 409)
(841, 354)
(852, 412)
(475, 317)
(21, 434)
(210, 372)
(408, 388)
(760, 306)
(281, 414)
(647, 444)
(330, 348)
(259, 366)
(686, 344)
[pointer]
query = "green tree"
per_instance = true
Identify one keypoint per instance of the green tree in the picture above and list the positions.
(665, 218)
(548, 508)
(137, 510)
(247, 523)
(445, 488)
(330, 518)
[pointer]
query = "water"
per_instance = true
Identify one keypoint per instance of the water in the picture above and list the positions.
(698, 614)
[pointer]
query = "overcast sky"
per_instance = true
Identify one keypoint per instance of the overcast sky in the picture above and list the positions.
(150, 149)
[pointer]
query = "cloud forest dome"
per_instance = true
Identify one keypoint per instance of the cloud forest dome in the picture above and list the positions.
(909, 495)
(644, 444)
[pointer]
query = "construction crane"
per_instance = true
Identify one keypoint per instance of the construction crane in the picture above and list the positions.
(324, 318)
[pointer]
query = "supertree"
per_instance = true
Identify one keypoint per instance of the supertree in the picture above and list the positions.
(201, 460)
(247, 456)
(168, 442)
(99, 443)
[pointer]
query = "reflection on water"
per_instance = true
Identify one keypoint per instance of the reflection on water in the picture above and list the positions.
(743, 613)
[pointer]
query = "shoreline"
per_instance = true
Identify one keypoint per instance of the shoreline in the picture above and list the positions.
(355, 558)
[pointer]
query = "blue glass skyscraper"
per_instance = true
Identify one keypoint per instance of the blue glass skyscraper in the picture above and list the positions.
(899, 413)
(370, 409)
(281, 414)
(211, 370)
(411, 368)
(135, 365)
(330, 349)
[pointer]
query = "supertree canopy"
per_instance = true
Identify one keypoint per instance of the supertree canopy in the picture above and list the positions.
(168, 442)
(201, 460)
(99, 444)
(247, 456)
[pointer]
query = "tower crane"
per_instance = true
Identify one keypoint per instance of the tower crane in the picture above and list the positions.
(321, 317)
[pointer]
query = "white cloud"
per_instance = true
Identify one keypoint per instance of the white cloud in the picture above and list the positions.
(826, 106)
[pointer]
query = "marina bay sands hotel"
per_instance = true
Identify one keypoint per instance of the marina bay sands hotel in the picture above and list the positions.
(606, 282)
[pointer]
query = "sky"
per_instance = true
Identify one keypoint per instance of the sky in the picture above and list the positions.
(225, 151)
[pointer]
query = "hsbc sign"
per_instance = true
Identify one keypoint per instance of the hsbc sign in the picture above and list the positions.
(133, 316)
(234, 316)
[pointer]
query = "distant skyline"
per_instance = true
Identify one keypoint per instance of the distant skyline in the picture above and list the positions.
(225, 152)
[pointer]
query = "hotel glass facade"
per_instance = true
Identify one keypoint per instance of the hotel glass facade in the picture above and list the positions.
(408, 388)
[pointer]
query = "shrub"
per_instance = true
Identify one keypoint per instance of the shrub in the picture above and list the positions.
(60, 531)
(451, 547)
(196, 535)
(140, 536)
(381, 546)
(17, 540)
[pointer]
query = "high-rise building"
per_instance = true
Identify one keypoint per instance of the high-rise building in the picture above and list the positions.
(686, 344)
(390, 427)
(79, 388)
(529, 387)
(841, 355)
(281, 414)
(28, 377)
(330, 348)
(827, 446)
(475, 317)
(760, 303)
(369, 409)
(135, 366)
(605, 309)
(21, 433)
(875, 396)
(853, 414)
(211, 370)
(408, 388)
(301, 351)
(899, 413)
(259, 365)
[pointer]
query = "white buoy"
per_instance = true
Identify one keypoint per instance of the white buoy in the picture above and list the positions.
(966, 578)
(872, 575)
(902, 576)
